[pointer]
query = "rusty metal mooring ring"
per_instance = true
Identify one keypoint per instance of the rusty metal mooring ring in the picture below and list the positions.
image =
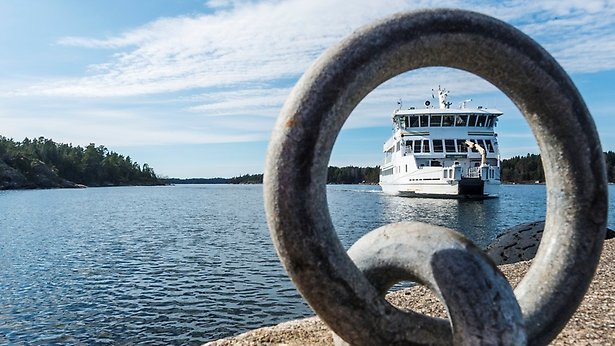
(321, 101)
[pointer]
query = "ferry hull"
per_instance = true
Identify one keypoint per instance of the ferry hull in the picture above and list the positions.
(475, 189)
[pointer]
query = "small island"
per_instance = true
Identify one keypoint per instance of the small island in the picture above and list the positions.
(42, 163)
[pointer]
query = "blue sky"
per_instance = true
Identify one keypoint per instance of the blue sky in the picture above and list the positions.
(194, 87)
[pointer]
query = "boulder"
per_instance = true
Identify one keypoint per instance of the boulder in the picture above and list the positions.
(520, 243)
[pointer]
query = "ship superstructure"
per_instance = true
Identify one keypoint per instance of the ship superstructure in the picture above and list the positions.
(442, 151)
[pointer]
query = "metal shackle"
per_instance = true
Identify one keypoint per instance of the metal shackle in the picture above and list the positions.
(324, 97)
(479, 300)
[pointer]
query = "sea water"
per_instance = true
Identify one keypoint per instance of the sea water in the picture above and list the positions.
(186, 264)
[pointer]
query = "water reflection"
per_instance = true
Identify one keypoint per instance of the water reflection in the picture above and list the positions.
(476, 219)
(358, 210)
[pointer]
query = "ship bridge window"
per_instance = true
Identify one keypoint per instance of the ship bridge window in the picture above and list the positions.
(490, 121)
(461, 146)
(403, 122)
(437, 146)
(447, 120)
(436, 120)
(424, 120)
(489, 145)
(480, 122)
(426, 146)
(449, 145)
(417, 145)
(414, 121)
(472, 120)
(461, 120)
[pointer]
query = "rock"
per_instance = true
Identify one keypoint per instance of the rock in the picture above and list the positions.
(11, 178)
(45, 177)
(520, 243)
(32, 174)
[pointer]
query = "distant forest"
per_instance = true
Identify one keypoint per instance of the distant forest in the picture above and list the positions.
(335, 175)
(518, 169)
(43, 163)
(524, 169)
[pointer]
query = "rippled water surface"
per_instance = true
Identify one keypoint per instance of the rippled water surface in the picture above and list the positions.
(184, 264)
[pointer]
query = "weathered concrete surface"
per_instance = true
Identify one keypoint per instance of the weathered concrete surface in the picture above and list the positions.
(592, 324)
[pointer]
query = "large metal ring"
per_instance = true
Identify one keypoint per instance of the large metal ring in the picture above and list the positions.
(301, 144)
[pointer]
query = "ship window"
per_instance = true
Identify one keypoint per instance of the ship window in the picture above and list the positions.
(397, 146)
(424, 120)
(387, 171)
(437, 146)
(461, 147)
(405, 121)
(472, 120)
(414, 121)
(445, 173)
(417, 145)
(489, 145)
(409, 146)
(449, 145)
(489, 121)
(436, 120)
(436, 163)
(447, 120)
(482, 119)
(426, 146)
(461, 120)
(406, 168)
(481, 143)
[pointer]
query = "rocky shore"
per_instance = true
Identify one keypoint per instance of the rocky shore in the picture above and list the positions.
(41, 177)
(592, 324)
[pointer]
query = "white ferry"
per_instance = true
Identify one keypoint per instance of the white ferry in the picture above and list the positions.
(442, 152)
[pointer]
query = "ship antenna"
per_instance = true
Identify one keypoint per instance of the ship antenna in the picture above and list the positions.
(442, 94)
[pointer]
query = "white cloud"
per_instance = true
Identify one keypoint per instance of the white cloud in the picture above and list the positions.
(261, 101)
(241, 59)
(248, 41)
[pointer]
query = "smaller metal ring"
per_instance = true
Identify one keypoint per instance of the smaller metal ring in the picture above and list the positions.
(479, 300)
